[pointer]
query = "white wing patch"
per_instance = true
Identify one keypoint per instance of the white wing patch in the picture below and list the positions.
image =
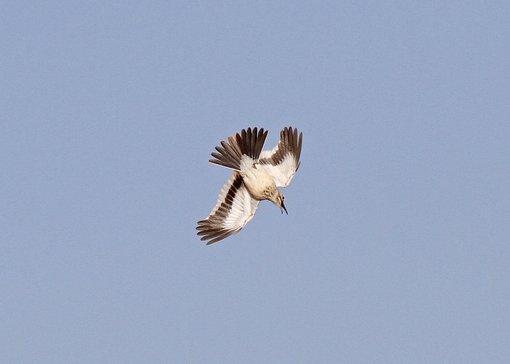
(234, 209)
(282, 161)
(242, 211)
(223, 193)
(283, 172)
(246, 163)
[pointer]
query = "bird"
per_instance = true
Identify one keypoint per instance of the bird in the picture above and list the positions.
(257, 176)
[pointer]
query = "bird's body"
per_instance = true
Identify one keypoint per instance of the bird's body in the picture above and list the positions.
(258, 182)
(256, 177)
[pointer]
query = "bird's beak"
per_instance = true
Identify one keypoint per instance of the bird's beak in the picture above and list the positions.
(283, 208)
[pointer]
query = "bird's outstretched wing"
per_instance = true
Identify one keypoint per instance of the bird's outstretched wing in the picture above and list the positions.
(247, 143)
(283, 161)
(234, 209)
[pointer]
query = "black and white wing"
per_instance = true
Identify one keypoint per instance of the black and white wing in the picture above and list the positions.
(283, 161)
(241, 150)
(234, 209)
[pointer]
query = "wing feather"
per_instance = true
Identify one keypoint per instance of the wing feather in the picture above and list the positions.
(247, 143)
(282, 161)
(234, 209)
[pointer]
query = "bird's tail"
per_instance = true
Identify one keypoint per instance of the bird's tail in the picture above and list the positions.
(249, 142)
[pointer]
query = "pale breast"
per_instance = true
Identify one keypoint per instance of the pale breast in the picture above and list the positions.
(257, 180)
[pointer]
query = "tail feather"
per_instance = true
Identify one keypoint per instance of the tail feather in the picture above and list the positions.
(249, 142)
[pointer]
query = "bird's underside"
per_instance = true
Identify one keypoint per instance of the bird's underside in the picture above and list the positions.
(256, 176)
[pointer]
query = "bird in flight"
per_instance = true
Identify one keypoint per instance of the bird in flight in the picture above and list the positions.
(256, 176)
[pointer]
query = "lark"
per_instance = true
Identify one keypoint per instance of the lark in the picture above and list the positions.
(257, 175)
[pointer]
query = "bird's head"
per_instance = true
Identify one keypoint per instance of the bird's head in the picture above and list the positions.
(279, 200)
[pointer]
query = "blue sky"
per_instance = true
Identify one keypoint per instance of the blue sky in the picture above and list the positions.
(396, 246)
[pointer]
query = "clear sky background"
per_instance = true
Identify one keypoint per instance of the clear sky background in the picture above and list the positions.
(396, 248)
